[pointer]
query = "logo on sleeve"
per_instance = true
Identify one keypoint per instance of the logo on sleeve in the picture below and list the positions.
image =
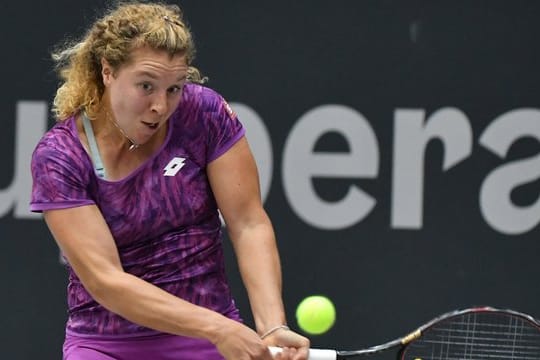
(228, 109)
(174, 166)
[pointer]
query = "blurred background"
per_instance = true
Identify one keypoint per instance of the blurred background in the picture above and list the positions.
(398, 145)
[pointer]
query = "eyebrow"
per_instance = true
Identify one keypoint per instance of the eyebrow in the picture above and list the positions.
(146, 73)
(153, 76)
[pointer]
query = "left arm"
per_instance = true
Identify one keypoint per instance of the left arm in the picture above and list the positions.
(235, 183)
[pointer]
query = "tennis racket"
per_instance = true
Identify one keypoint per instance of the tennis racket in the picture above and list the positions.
(470, 334)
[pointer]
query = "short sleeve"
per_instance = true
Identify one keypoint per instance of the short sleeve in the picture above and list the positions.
(225, 129)
(59, 178)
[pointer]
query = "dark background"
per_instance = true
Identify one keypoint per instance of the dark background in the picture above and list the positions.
(283, 59)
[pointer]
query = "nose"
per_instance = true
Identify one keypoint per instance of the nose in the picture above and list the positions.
(159, 104)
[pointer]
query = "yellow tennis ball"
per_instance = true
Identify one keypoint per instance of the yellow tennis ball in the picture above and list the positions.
(315, 314)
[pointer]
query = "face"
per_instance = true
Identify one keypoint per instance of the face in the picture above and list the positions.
(143, 93)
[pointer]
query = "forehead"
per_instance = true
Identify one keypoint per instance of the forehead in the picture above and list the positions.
(148, 59)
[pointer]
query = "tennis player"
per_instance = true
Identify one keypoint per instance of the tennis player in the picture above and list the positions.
(130, 180)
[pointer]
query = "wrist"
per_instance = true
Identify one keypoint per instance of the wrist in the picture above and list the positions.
(273, 330)
(217, 327)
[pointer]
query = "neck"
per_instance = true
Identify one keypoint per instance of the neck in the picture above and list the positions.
(106, 114)
(133, 145)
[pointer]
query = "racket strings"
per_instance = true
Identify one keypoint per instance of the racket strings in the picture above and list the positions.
(477, 336)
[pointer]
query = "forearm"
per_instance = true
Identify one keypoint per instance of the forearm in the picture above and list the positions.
(94, 258)
(259, 265)
(147, 305)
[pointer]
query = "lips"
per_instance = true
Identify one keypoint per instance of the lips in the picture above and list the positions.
(151, 125)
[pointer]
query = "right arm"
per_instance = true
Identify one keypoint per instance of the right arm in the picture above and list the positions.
(85, 239)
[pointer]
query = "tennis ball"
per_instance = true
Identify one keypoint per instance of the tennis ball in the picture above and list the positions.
(315, 314)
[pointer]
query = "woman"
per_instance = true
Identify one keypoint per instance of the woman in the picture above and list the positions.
(130, 181)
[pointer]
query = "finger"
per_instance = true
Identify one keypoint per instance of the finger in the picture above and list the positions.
(301, 354)
(286, 353)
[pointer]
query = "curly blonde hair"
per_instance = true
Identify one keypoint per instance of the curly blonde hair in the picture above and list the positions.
(126, 27)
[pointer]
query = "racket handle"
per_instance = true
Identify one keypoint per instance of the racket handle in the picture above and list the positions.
(314, 354)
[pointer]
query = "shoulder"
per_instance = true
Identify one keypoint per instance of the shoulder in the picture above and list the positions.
(61, 134)
(200, 108)
(61, 141)
(205, 123)
(200, 97)
(202, 104)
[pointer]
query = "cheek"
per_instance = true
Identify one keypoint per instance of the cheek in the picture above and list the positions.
(127, 101)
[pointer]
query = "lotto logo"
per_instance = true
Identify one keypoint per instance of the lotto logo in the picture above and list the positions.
(174, 166)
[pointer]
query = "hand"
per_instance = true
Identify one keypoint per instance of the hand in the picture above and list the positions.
(295, 346)
(236, 341)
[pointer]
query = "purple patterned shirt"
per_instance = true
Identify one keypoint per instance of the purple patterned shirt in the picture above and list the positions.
(163, 216)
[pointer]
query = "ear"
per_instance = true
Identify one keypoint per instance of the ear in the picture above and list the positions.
(106, 72)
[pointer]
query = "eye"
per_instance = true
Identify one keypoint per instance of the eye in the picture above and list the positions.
(146, 87)
(174, 89)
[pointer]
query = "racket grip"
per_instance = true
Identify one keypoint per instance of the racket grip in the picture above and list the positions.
(314, 354)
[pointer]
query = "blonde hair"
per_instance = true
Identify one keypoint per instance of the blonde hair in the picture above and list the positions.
(126, 27)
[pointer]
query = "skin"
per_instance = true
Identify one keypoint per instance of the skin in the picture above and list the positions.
(139, 97)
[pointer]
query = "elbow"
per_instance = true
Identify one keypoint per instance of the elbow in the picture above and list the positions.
(98, 291)
(104, 288)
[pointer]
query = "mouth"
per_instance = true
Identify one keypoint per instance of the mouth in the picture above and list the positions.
(151, 125)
